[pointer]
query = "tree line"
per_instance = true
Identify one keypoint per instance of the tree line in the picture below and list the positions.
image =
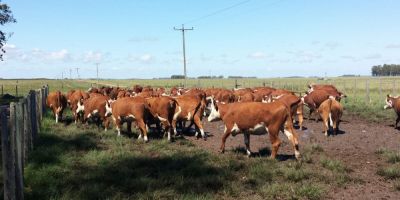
(386, 70)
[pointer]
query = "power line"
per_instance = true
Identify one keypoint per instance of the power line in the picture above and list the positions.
(217, 12)
(183, 45)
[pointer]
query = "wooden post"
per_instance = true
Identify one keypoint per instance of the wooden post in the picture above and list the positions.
(33, 109)
(367, 100)
(8, 162)
(38, 109)
(16, 90)
(43, 102)
(27, 130)
(2, 90)
(19, 172)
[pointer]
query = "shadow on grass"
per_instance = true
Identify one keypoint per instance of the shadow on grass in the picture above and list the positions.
(136, 177)
(264, 152)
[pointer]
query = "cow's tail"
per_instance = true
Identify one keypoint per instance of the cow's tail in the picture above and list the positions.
(330, 111)
(177, 106)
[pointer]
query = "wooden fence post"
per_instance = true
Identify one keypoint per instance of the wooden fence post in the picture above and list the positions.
(34, 124)
(19, 169)
(27, 129)
(38, 109)
(2, 90)
(8, 158)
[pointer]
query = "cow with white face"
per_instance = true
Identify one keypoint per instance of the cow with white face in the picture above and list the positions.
(393, 102)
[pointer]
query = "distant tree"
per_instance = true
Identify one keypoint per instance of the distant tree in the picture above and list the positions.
(385, 70)
(5, 18)
(177, 77)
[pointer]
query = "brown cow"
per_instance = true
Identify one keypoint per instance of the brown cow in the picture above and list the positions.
(127, 109)
(314, 99)
(331, 111)
(259, 118)
(98, 107)
(330, 89)
(246, 97)
(192, 109)
(393, 102)
(76, 103)
(225, 96)
(166, 110)
(295, 105)
(57, 102)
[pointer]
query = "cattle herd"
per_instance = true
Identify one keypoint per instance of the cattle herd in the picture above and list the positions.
(256, 111)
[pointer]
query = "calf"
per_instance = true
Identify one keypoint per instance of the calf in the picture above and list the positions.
(98, 107)
(128, 109)
(166, 110)
(192, 109)
(260, 118)
(330, 111)
(393, 102)
(57, 102)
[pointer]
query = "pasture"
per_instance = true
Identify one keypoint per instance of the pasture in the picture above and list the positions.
(82, 162)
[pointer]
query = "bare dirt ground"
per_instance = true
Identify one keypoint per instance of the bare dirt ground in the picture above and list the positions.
(355, 147)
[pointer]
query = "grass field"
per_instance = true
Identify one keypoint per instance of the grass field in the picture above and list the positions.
(84, 163)
(355, 87)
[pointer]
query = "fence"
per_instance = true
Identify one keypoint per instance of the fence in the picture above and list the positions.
(19, 130)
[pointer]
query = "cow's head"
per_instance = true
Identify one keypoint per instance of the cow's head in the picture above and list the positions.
(214, 113)
(108, 107)
(390, 101)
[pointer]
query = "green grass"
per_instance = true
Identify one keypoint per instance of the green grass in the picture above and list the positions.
(391, 170)
(333, 165)
(71, 162)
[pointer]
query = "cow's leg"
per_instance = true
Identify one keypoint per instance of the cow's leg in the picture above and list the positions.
(143, 130)
(117, 122)
(197, 122)
(397, 121)
(275, 141)
(56, 118)
(325, 119)
(300, 116)
(227, 132)
(106, 122)
(247, 143)
(293, 138)
(173, 124)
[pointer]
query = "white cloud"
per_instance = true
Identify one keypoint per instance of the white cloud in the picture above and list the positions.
(303, 56)
(393, 46)
(61, 55)
(373, 56)
(348, 57)
(144, 58)
(260, 55)
(92, 56)
(332, 45)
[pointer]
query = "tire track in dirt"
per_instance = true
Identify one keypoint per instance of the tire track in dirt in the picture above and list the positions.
(356, 148)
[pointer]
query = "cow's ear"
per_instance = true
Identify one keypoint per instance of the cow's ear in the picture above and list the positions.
(388, 96)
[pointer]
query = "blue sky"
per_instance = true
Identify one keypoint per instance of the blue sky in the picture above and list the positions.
(263, 38)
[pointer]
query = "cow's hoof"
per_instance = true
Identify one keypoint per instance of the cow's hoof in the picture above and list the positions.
(221, 151)
(205, 138)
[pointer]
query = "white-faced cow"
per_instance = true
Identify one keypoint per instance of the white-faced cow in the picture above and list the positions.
(393, 102)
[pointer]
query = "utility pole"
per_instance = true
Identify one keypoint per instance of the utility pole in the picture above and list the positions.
(97, 74)
(77, 73)
(184, 53)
